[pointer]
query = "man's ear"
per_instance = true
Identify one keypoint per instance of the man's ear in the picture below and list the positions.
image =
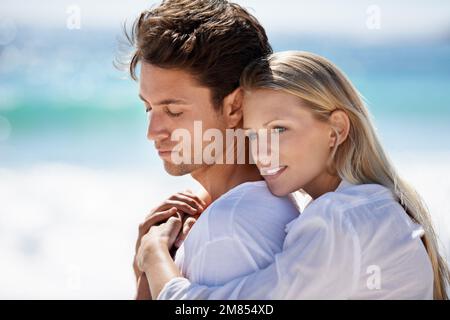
(232, 108)
(340, 125)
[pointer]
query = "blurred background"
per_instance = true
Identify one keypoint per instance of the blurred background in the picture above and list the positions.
(77, 174)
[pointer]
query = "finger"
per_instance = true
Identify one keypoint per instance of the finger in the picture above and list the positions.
(192, 200)
(204, 196)
(197, 198)
(187, 226)
(174, 224)
(186, 202)
(187, 198)
(162, 207)
(181, 205)
(173, 201)
(155, 218)
(179, 237)
(166, 205)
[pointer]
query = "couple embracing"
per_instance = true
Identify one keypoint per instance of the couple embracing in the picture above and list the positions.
(364, 234)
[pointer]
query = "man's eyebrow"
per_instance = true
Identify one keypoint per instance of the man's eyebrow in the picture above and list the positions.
(142, 98)
(165, 101)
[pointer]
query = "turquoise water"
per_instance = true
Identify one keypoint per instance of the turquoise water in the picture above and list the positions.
(64, 101)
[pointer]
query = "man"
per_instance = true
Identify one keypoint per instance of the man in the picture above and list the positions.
(192, 54)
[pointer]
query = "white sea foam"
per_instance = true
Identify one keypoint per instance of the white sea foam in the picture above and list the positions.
(69, 232)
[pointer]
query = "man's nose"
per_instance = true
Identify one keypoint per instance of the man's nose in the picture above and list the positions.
(157, 130)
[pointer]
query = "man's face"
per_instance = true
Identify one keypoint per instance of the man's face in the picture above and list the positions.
(175, 100)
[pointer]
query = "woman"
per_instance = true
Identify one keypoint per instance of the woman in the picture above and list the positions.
(365, 235)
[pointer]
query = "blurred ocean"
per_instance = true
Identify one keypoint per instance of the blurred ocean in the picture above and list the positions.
(77, 174)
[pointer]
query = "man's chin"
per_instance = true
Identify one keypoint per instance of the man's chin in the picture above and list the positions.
(179, 169)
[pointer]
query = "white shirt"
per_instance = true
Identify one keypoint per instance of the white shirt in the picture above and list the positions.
(236, 235)
(354, 243)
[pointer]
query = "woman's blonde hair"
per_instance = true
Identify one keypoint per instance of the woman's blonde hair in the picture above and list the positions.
(360, 158)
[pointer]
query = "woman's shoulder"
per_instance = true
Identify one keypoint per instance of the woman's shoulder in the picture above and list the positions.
(370, 212)
(348, 196)
(351, 201)
(363, 208)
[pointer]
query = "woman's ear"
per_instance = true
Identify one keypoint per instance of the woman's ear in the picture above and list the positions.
(340, 124)
(232, 108)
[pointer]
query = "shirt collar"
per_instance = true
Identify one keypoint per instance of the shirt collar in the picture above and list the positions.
(344, 184)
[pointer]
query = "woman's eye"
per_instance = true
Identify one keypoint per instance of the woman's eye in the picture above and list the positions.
(279, 129)
(252, 135)
(148, 109)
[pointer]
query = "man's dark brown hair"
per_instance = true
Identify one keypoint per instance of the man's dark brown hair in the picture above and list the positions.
(211, 39)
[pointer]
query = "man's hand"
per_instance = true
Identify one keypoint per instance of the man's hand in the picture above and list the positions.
(154, 259)
(188, 205)
(159, 236)
(188, 222)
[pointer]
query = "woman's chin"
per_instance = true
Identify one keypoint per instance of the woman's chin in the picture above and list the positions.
(277, 190)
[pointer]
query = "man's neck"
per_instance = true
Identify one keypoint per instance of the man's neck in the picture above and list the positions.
(219, 178)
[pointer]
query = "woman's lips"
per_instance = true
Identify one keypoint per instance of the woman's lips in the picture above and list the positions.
(272, 173)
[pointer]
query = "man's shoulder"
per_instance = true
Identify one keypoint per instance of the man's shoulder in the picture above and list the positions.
(250, 205)
(245, 189)
(249, 198)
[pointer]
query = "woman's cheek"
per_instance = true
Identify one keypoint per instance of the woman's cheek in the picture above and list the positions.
(286, 149)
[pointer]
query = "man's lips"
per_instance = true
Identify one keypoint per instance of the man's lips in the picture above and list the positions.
(164, 151)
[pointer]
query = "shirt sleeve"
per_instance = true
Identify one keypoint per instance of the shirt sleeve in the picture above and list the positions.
(320, 260)
(222, 260)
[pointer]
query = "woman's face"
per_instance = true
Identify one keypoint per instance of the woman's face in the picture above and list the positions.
(304, 142)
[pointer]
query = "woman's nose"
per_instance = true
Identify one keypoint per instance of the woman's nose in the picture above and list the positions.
(265, 154)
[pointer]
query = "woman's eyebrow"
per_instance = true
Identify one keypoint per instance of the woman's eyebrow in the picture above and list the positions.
(265, 124)
(270, 121)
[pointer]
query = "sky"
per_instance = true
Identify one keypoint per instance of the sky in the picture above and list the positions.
(349, 18)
